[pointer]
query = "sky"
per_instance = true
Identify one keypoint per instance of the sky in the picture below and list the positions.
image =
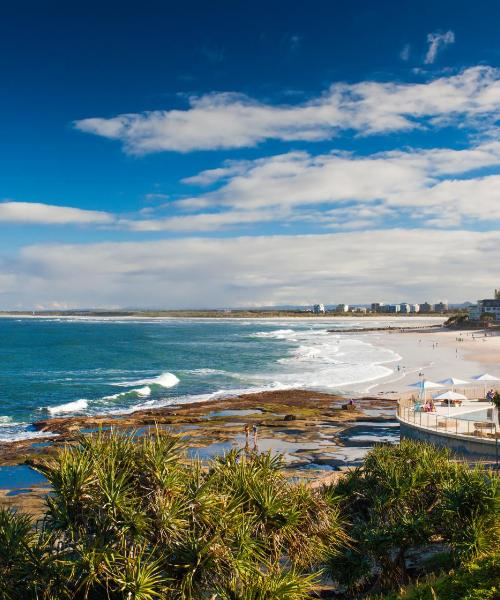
(229, 154)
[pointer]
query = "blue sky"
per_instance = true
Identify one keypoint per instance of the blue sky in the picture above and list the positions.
(161, 154)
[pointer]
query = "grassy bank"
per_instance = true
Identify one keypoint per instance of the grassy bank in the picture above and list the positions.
(129, 518)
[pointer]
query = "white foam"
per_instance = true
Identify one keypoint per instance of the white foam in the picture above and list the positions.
(143, 392)
(279, 334)
(323, 360)
(206, 372)
(166, 380)
(4, 420)
(69, 407)
(16, 432)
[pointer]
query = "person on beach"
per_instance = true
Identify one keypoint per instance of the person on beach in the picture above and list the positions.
(254, 431)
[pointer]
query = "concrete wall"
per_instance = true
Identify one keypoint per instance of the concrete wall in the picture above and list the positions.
(460, 445)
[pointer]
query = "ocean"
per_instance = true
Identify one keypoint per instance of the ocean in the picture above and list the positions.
(65, 366)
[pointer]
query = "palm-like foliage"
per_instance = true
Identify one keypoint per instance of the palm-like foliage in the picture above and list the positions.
(409, 497)
(129, 517)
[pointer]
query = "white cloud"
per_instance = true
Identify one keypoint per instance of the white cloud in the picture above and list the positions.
(210, 272)
(437, 41)
(50, 214)
(201, 222)
(405, 53)
(441, 187)
(226, 120)
(424, 184)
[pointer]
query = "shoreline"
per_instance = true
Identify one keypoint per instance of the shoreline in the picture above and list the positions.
(219, 315)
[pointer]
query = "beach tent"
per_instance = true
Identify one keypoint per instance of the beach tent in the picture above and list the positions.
(449, 395)
(425, 385)
(484, 378)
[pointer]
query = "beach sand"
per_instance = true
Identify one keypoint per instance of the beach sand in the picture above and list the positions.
(438, 354)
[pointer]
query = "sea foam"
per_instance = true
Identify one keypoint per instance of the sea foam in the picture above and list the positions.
(166, 380)
(69, 407)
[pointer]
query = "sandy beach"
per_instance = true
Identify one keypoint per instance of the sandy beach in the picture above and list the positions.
(438, 354)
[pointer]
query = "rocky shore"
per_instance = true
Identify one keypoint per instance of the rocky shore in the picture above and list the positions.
(315, 432)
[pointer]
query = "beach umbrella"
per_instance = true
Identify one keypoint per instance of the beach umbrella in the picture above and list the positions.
(454, 381)
(425, 385)
(449, 395)
(484, 378)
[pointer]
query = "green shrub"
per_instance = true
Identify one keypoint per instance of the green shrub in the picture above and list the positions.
(411, 498)
(129, 517)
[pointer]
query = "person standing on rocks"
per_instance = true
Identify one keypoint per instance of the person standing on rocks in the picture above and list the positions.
(247, 437)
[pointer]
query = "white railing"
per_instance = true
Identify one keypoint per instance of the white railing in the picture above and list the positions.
(477, 428)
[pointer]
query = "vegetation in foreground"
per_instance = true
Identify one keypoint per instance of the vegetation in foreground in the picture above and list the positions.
(130, 518)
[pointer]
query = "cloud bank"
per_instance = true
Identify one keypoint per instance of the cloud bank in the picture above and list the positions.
(228, 120)
(49, 214)
(245, 271)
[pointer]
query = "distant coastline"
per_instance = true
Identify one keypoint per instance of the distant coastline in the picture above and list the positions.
(212, 314)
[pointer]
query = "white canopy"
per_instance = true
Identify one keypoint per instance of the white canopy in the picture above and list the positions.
(450, 395)
(486, 377)
(425, 384)
(454, 381)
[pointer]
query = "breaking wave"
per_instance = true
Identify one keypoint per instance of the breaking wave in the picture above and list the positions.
(69, 407)
(166, 380)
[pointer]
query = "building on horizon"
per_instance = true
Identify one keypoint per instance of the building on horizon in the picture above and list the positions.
(425, 307)
(393, 308)
(487, 306)
(359, 309)
(404, 307)
(343, 308)
(319, 309)
(377, 306)
(414, 308)
(441, 306)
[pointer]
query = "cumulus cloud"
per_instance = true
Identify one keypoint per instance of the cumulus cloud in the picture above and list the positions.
(437, 41)
(228, 120)
(440, 187)
(50, 214)
(210, 272)
(424, 184)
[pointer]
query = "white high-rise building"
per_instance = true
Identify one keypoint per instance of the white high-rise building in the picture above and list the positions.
(319, 309)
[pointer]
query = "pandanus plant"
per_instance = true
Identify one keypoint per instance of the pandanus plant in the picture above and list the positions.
(130, 517)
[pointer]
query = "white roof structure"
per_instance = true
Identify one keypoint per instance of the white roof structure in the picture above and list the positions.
(425, 384)
(486, 377)
(450, 395)
(454, 381)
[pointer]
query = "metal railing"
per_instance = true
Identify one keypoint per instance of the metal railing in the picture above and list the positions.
(477, 429)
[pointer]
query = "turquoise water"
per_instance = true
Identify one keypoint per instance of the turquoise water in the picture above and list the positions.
(54, 367)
